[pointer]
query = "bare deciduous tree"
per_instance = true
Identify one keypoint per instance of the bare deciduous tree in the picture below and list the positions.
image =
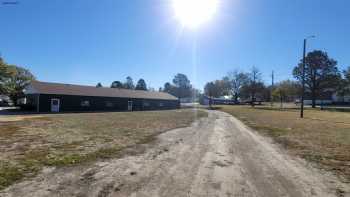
(237, 80)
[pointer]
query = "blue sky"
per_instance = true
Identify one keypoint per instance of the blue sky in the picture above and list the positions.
(90, 41)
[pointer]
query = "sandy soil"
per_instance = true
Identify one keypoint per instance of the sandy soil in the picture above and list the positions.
(217, 156)
(10, 118)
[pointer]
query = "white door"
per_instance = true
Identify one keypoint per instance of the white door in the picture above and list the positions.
(129, 105)
(55, 105)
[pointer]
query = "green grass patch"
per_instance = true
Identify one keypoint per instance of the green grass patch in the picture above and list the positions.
(34, 161)
(9, 174)
(75, 159)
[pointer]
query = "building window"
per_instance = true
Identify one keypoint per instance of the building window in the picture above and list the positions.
(109, 104)
(161, 104)
(146, 104)
(85, 104)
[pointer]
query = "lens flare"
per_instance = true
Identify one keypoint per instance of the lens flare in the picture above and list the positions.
(193, 13)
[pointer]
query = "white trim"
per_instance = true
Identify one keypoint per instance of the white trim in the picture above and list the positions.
(58, 105)
(130, 106)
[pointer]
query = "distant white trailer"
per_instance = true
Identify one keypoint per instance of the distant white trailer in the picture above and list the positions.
(318, 102)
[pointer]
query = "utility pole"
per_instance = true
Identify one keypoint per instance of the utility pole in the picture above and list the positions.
(303, 79)
(303, 83)
(272, 85)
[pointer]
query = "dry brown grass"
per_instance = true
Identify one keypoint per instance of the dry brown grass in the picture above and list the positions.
(32, 142)
(322, 136)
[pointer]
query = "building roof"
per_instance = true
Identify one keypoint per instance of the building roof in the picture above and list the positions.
(38, 87)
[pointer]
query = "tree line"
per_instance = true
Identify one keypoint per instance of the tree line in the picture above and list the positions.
(13, 79)
(128, 84)
(322, 76)
(242, 86)
(180, 86)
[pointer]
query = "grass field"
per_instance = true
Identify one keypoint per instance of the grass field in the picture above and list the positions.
(28, 143)
(322, 136)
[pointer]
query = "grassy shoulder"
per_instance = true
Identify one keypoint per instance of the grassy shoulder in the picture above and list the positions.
(27, 144)
(322, 136)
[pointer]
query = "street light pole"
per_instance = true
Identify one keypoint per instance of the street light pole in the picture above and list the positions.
(303, 79)
(303, 82)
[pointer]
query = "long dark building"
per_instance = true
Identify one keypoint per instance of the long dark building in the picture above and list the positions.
(55, 97)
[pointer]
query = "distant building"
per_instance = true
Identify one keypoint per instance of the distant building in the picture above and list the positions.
(56, 97)
(218, 101)
(340, 99)
(329, 96)
(324, 99)
(189, 100)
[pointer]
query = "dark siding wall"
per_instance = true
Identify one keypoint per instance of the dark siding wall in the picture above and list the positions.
(31, 102)
(160, 104)
(73, 103)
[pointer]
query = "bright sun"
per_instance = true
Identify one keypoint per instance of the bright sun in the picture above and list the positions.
(193, 13)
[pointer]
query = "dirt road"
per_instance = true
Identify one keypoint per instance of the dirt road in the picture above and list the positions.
(217, 156)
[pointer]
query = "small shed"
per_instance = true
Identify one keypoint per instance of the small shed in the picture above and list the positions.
(57, 97)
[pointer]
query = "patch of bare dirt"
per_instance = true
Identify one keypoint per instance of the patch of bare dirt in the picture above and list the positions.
(13, 118)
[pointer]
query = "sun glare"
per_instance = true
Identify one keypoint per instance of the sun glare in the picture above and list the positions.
(193, 13)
